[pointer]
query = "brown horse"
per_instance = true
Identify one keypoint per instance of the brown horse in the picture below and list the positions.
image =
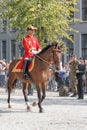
(40, 74)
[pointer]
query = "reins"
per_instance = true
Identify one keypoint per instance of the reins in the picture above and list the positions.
(50, 67)
(43, 60)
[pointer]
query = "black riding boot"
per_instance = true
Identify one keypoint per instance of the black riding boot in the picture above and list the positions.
(26, 73)
(25, 64)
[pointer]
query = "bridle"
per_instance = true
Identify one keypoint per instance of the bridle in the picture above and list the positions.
(53, 53)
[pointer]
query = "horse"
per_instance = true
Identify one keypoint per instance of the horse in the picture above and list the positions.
(40, 74)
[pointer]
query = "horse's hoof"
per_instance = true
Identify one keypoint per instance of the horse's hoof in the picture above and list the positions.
(9, 106)
(34, 104)
(28, 108)
(41, 111)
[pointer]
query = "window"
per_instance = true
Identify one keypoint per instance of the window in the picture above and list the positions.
(84, 45)
(84, 10)
(13, 49)
(70, 46)
(4, 49)
(4, 25)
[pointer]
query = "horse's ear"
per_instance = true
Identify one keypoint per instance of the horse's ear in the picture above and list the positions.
(55, 43)
(61, 46)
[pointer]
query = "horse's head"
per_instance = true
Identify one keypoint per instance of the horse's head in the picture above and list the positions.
(55, 55)
(50, 55)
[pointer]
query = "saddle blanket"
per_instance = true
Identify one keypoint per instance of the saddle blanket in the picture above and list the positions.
(19, 66)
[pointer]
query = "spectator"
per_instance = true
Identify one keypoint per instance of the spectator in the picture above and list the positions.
(51, 84)
(30, 89)
(80, 73)
(2, 72)
(67, 77)
(73, 64)
(86, 78)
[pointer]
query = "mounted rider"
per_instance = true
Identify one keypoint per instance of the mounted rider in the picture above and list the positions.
(31, 47)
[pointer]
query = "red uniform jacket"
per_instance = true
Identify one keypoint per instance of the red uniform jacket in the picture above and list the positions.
(30, 43)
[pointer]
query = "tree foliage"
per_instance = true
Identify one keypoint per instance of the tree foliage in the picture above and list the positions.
(51, 17)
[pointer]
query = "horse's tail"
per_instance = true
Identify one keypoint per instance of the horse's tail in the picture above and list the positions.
(9, 74)
(14, 84)
(7, 83)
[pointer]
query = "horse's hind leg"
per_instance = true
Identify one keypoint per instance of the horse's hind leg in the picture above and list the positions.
(25, 88)
(9, 88)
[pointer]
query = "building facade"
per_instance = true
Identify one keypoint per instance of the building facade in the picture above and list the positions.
(8, 47)
(80, 38)
(9, 50)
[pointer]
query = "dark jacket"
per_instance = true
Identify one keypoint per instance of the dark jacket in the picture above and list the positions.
(81, 70)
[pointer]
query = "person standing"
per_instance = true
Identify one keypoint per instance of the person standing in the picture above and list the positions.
(86, 77)
(73, 64)
(30, 89)
(31, 47)
(80, 72)
(2, 72)
(66, 78)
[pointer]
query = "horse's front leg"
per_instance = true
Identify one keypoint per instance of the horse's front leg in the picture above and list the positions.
(39, 100)
(43, 92)
(25, 87)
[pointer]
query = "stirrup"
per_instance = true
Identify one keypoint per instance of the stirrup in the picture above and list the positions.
(25, 76)
(29, 75)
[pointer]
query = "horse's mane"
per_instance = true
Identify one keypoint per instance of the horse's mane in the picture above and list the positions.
(47, 47)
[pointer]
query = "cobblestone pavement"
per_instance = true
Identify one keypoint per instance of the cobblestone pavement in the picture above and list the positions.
(61, 113)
